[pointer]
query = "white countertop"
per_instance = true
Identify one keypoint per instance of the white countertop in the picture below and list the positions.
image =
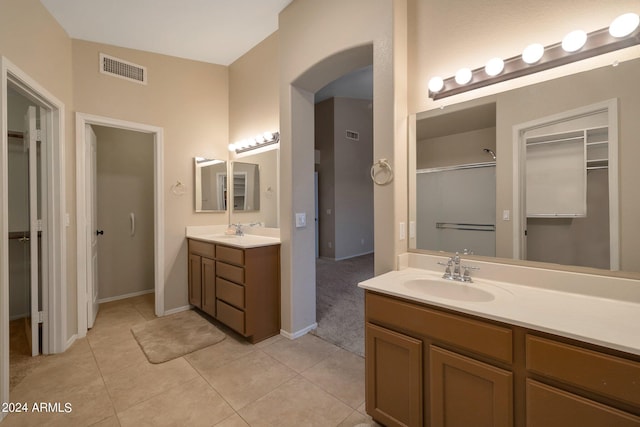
(245, 241)
(611, 323)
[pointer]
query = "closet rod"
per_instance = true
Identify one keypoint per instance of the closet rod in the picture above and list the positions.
(553, 141)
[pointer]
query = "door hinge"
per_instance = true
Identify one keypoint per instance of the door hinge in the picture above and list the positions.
(39, 225)
(39, 135)
(41, 317)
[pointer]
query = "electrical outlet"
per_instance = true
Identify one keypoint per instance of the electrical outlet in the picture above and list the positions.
(403, 231)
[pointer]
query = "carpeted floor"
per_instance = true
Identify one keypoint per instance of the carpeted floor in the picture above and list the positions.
(20, 360)
(339, 301)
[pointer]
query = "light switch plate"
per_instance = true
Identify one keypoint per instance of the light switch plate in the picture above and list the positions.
(301, 219)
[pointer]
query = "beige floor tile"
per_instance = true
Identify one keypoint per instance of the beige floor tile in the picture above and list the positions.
(302, 353)
(137, 383)
(269, 341)
(89, 403)
(248, 378)
(214, 356)
(193, 404)
(233, 421)
(112, 421)
(117, 352)
(296, 403)
(56, 373)
(342, 375)
(358, 419)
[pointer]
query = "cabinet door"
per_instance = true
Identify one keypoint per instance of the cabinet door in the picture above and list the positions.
(394, 377)
(209, 286)
(551, 407)
(466, 392)
(195, 280)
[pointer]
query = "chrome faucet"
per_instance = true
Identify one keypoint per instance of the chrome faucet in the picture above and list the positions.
(455, 262)
(238, 228)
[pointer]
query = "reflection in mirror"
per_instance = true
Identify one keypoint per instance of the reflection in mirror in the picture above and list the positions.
(246, 187)
(210, 178)
(456, 181)
(457, 141)
(255, 190)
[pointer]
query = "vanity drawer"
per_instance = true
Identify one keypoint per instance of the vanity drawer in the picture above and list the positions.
(230, 292)
(230, 316)
(551, 407)
(597, 372)
(480, 337)
(230, 255)
(204, 249)
(230, 272)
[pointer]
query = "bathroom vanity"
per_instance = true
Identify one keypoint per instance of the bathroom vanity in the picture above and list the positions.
(441, 353)
(236, 280)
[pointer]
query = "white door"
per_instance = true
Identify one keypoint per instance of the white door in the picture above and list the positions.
(92, 228)
(31, 141)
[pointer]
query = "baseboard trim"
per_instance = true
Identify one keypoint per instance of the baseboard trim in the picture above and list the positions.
(298, 334)
(70, 341)
(177, 310)
(349, 256)
(125, 296)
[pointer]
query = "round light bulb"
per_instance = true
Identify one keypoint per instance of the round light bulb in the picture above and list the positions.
(436, 84)
(574, 41)
(624, 25)
(463, 76)
(532, 53)
(232, 147)
(494, 66)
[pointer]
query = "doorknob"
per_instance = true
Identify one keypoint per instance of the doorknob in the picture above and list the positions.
(99, 232)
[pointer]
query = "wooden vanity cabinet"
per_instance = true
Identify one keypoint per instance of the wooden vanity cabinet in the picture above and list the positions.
(202, 276)
(427, 366)
(240, 287)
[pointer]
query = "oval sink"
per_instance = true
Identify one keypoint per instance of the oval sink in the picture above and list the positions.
(450, 290)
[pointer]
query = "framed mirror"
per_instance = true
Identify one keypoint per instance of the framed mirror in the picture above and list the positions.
(534, 118)
(210, 185)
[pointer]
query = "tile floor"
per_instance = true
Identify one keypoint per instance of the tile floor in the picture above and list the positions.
(108, 381)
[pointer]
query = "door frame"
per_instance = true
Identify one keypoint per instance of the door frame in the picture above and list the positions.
(83, 211)
(609, 106)
(56, 313)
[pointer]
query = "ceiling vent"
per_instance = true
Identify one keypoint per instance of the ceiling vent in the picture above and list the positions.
(353, 135)
(125, 70)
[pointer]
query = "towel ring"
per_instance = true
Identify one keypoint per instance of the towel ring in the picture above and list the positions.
(178, 188)
(385, 168)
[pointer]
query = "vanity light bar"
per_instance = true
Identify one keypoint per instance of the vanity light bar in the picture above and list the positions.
(597, 43)
(259, 141)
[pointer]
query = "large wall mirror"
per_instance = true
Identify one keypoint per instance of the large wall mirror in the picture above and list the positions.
(210, 185)
(255, 188)
(534, 174)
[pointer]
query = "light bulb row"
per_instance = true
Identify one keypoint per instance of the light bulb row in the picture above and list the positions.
(255, 142)
(622, 26)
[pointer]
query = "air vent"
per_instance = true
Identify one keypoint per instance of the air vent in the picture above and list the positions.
(123, 69)
(353, 135)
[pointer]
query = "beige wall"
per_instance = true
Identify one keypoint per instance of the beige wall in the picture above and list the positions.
(447, 35)
(253, 91)
(189, 100)
(320, 41)
(457, 149)
(41, 48)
